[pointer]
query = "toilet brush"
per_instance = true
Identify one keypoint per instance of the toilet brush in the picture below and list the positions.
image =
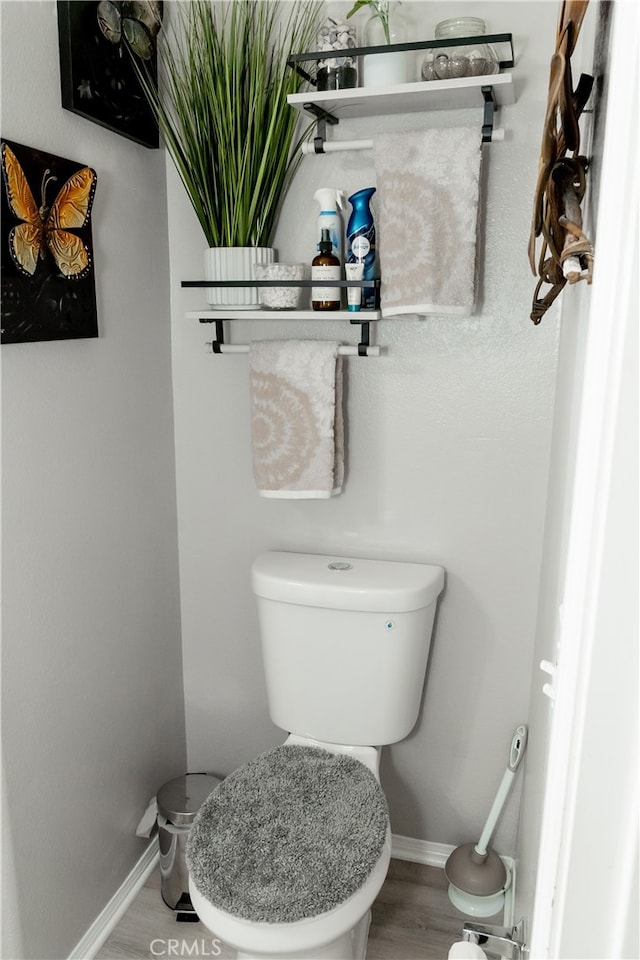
(477, 876)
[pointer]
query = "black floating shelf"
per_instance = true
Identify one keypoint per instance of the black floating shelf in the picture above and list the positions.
(281, 283)
(296, 59)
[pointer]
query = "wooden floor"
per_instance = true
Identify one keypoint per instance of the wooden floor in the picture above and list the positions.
(412, 919)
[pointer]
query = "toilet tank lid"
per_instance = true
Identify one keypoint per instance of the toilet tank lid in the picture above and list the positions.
(346, 583)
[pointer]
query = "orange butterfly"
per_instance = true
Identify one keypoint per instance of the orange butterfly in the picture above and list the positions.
(48, 227)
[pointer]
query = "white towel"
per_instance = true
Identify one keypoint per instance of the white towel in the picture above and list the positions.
(297, 429)
(428, 185)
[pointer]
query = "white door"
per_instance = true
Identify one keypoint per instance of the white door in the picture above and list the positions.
(586, 891)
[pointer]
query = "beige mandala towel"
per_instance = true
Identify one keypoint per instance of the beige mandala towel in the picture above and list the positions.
(297, 432)
(428, 185)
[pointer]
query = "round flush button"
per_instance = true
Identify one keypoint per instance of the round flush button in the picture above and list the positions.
(339, 565)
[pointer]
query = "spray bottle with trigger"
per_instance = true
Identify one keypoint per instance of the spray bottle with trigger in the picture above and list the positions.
(331, 202)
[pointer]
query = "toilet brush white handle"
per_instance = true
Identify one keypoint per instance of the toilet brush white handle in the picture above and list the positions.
(494, 813)
(518, 745)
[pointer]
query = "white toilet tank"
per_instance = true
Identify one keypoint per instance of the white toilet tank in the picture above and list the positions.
(345, 643)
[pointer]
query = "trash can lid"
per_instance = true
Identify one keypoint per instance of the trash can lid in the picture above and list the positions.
(179, 800)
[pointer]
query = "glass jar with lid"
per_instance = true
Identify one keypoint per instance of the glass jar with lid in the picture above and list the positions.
(462, 60)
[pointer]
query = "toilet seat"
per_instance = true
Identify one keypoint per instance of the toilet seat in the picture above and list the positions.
(290, 837)
(303, 938)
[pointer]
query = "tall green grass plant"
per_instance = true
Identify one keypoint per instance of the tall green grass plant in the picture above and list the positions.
(221, 105)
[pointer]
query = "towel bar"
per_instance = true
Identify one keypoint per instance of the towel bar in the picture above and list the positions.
(352, 351)
(362, 349)
(317, 145)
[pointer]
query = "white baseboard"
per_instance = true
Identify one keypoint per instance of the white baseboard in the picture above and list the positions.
(108, 919)
(402, 848)
(436, 855)
(420, 851)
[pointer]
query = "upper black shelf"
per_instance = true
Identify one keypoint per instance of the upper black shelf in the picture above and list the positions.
(495, 39)
(330, 106)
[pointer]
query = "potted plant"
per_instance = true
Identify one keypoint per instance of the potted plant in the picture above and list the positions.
(384, 27)
(221, 106)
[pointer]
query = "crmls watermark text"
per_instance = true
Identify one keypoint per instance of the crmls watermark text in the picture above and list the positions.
(185, 948)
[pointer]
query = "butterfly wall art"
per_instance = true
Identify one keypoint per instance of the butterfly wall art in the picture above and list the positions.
(46, 263)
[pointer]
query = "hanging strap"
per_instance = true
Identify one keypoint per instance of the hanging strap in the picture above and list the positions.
(560, 186)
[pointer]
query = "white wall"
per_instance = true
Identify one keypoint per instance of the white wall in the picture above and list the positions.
(448, 450)
(92, 717)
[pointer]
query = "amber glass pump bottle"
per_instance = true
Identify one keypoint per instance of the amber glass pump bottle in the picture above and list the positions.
(326, 266)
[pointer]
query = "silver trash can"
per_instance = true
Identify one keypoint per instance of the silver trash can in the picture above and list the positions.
(178, 802)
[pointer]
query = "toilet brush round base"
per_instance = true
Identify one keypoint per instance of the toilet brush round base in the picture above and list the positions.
(476, 906)
(477, 881)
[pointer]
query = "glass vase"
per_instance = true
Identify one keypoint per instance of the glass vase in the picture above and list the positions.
(338, 71)
(465, 60)
(386, 27)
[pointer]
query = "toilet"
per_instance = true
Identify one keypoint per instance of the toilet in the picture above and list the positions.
(288, 853)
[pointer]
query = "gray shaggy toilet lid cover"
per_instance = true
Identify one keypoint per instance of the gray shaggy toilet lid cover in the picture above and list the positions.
(289, 835)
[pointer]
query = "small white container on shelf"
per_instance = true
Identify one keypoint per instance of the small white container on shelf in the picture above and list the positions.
(386, 27)
(281, 297)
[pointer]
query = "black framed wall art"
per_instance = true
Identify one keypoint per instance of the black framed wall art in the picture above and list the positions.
(47, 271)
(97, 42)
